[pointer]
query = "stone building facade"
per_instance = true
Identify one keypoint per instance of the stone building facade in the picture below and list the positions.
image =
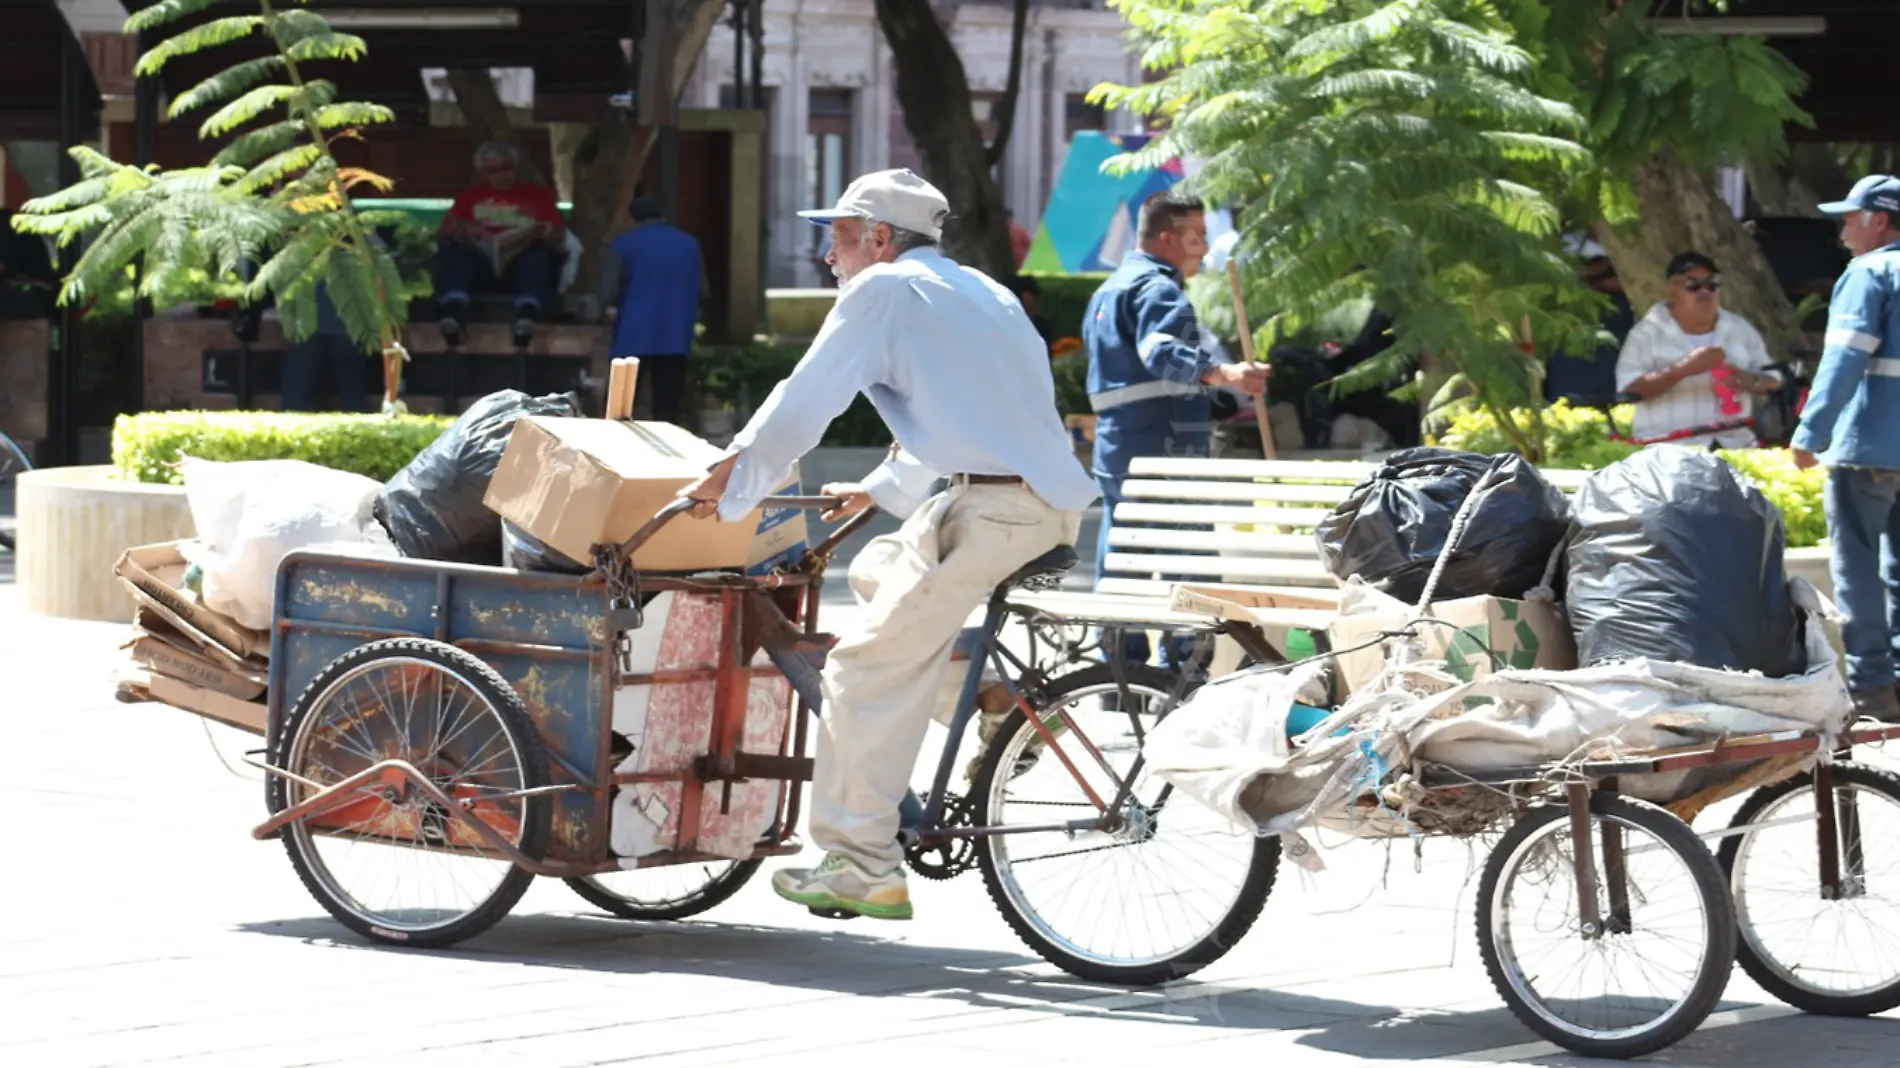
(830, 88)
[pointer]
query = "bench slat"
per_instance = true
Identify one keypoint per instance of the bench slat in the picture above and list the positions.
(1112, 609)
(1210, 514)
(1344, 471)
(1341, 471)
(1133, 587)
(1291, 572)
(1210, 541)
(1182, 490)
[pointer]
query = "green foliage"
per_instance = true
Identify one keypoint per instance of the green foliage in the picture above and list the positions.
(1065, 298)
(274, 196)
(740, 377)
(1575, 438)
(148, 446)
(1579, 440)
(1390, 152)
(1796, 493)
(1072, 383)
(1709, 99)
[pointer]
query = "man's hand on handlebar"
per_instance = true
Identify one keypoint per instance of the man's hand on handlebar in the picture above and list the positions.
(706, 492)
(852, 499)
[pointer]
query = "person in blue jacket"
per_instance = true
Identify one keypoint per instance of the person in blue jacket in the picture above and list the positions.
(657, 269)
(1849, 425)
(1151, 372)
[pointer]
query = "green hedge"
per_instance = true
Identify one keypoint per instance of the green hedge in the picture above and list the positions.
(1065, 299)
(148, 446)
(742, 376)
(1579, 439)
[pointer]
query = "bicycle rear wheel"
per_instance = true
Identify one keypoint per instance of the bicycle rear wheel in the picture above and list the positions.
(1201, 881)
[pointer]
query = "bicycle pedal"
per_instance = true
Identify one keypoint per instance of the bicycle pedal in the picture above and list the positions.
(834, 914)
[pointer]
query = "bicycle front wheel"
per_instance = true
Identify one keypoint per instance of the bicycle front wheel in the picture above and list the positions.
(1167, 891)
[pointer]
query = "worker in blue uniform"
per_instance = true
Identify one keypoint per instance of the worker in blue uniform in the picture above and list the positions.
(1151, 372)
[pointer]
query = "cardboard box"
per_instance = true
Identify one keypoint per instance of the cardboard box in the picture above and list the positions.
(165, 658)
(1484, 634)
(577, 483)
(244, 715)
(155, 576)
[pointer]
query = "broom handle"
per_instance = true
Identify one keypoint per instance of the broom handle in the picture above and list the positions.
(1246, 350)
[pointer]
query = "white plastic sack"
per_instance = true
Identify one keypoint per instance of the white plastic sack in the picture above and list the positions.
(251, 514)
(1226, 748)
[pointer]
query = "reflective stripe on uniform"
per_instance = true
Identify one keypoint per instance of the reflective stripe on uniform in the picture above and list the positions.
(1885, 367)
(1115, 398)
(1853, 339)
(1152, 342)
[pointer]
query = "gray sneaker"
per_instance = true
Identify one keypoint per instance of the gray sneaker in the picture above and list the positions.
(839, 885)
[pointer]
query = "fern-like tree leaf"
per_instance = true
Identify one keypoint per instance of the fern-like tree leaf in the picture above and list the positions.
(244, 110)
(226, 84)
(197, 39)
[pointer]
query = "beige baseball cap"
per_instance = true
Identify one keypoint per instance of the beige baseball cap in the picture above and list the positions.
(897, 197)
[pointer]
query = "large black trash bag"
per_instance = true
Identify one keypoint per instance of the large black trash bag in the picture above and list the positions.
(525, 552)
(1674, 556)
(1392, 528)
(433, 508)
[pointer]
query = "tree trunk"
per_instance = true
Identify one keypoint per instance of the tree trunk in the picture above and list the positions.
(935, 94)
(1013, 89)
(1812, 174)
(487, 118)
(1683, 211)
(609, 160)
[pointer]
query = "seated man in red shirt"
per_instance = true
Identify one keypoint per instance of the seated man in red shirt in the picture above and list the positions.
(502, 233)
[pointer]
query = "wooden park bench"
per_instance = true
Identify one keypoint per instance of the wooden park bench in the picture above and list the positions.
(1234, 531)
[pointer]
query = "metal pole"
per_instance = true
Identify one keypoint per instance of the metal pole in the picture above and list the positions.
(756, 25)
(739, 8)
(63, 402)
(144, 153)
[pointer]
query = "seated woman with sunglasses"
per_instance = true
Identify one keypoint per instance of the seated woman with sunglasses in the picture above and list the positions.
(1695, 367)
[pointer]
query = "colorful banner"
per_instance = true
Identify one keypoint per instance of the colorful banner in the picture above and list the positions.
(1089, 223)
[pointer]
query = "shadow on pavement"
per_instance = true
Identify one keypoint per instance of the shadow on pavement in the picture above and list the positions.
(865, 965)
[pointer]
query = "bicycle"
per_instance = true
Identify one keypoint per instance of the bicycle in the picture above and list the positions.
(13, 462)
(1045, 864)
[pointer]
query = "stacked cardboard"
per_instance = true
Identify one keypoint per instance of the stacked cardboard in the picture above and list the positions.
(184, 654)
(577, 483)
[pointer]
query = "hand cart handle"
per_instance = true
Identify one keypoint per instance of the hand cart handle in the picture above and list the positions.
(684, 504)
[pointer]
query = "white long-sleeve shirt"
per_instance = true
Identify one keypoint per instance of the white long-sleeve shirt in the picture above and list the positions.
(952, 364)
(1657, 343)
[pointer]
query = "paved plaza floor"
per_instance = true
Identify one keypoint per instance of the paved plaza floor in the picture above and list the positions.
(140, 924)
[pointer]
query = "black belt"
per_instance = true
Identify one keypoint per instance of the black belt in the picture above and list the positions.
(986, 480)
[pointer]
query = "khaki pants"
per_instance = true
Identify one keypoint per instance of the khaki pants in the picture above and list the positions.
(915, 591)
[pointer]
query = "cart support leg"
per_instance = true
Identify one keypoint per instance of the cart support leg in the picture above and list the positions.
(1829, 830)
(1616, 880)
(1588, 913)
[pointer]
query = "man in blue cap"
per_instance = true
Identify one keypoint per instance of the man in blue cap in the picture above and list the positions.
(1849, 425)
(1151, 373)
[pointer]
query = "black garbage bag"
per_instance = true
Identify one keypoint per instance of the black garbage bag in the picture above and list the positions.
(525, 552)
(1392, 528)
(1673, 556)
(433, 508)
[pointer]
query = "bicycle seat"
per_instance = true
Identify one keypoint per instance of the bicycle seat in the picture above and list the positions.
(1044, 568)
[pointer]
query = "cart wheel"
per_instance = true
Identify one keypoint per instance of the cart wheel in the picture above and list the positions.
(1165, 894)
(1835, 956)
(401, 869)
(673, 892)
(1666, 923)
